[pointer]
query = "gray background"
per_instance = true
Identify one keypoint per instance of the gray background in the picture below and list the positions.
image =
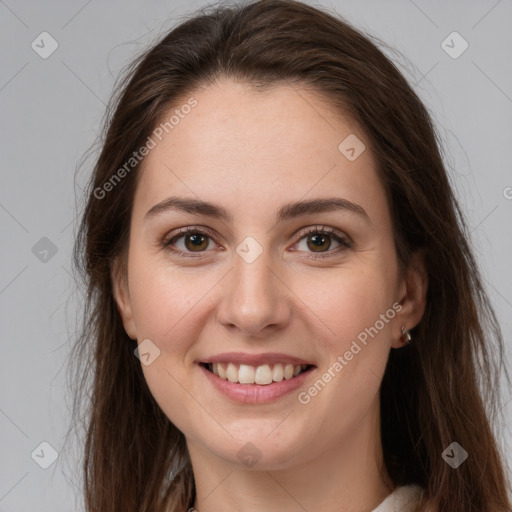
(51, 111)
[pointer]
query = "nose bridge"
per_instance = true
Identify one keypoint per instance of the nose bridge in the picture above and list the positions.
(255, 286)
(253, 277)
(256, 297)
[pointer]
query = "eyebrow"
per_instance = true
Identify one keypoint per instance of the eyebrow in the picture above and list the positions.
(287, 211)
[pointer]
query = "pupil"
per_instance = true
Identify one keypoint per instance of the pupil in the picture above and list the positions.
(196, 240)
(318, 240)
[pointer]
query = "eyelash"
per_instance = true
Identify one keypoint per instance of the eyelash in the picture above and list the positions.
(344, 242)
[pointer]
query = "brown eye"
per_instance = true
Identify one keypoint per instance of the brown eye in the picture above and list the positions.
(317, 242)
(187, 241)
(197, 242)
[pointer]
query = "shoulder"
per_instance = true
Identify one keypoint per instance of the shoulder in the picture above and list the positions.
(407, 498)
(417, 494)
(429, 507)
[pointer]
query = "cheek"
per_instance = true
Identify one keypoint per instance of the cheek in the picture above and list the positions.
(166, 307)
(351, 300)
(357, 307)
(165, 302)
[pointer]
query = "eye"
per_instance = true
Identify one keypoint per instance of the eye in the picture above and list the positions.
(319, 238)
(197, 241)
(194, 241)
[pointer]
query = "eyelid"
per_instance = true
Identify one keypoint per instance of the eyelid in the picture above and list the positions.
(343, 239)
(323, 229)
(180, 232)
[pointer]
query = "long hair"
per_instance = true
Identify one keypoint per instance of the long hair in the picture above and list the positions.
(441, 388)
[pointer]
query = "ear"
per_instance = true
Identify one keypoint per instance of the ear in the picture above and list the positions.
(121, 293)
(413, 297)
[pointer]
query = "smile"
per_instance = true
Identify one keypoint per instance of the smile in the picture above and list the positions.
(257, 375)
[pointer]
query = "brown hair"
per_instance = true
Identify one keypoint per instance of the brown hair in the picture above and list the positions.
(441, 388)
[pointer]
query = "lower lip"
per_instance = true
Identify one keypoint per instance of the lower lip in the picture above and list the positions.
(255, 393)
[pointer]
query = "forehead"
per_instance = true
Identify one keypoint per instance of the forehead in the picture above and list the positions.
(246, 148)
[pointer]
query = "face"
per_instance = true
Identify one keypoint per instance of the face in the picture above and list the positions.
(268, 285)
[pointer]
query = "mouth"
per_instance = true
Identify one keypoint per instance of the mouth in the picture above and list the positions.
(261, 375)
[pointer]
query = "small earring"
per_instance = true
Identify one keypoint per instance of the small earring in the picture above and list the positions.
(406, 335)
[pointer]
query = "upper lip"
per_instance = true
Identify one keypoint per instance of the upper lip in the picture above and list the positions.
(255, 359)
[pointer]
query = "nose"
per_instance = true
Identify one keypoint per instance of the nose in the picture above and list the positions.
(256, 299)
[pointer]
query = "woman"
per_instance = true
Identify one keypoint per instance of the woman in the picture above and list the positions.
(284, 312)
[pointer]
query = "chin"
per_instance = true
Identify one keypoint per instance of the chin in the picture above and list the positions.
(258, 448)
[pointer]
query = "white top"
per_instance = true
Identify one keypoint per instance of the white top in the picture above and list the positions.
(402, 499)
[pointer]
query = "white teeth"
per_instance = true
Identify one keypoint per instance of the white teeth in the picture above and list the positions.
(277, 373)
(220, 371)
(246, 374)
(288, 371)
(262, 375)
(232, 373)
